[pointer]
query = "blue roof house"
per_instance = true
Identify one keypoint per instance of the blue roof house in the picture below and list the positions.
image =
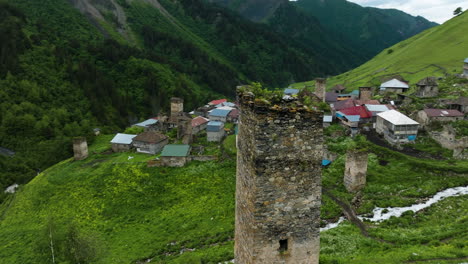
(219, 115)
(215, 131)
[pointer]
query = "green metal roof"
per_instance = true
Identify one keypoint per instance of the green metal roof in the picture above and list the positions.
(175, 151)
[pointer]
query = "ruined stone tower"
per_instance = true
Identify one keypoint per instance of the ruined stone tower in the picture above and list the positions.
(177, 106)
(80, 148)
(320, 88)
(365, 93)
(278, 189)
(355, 170)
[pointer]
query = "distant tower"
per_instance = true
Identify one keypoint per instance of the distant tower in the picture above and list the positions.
(177, 106)
(365, 93)
(465, 68)
(320, 88)
(278, 189)
(80, 148)
(355, 170)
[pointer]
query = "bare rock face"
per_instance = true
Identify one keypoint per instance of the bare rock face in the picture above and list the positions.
(278, 189)
(355, 170)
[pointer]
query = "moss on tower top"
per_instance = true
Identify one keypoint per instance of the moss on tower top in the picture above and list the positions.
(256, 95)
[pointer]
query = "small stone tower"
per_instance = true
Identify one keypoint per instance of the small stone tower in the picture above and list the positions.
(177, 106)
(278, 189)
(320, 88)
(355, 170)
(80, 148)
(365, 93)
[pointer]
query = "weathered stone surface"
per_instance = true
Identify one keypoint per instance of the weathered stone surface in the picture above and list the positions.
(365, 93)
(320, 88)
(278, 184)
(355, 170)
(80, 148)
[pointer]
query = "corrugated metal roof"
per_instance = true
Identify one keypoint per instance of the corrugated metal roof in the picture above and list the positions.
(290, 91)
(466, 60)
(220, 112)
(394, 83)
(214, 126)
(397, 118)
(225, 104)
(377, 108)
(123, 139)
(199, 120)
(443, 113)
(173, 150)
(353, 118)
(217, 102)
(147, 123)
(357, 110)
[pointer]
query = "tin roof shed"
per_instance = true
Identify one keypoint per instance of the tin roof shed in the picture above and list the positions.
(125, 139)
(174, 150)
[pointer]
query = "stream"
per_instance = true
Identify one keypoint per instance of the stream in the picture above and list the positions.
(379, 215)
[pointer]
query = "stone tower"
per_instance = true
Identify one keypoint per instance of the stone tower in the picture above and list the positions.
(365, 93)
(177, 106)
(278, 188)
(355, 170)
(80, 148)
(320, 88)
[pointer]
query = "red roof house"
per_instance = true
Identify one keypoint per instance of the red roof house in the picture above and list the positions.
(217, 102)
(357, 110)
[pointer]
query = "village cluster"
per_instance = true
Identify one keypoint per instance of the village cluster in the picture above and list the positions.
(210, 119)
(357, 111)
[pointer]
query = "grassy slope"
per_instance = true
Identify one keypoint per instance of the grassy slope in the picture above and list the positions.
(434, 52)
(127, 212)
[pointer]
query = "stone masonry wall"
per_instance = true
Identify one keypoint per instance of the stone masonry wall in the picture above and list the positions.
(365, 93)
(80, 148)
(320, 88)
(278, 190)
(177, 106)
(355, 170)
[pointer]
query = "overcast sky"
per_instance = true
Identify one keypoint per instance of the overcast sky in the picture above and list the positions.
(435, 10)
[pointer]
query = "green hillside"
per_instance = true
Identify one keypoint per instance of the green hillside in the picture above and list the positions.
(109, 209)
(438, 51)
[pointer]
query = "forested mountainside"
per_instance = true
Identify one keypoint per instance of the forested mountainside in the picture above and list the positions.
(67, 67)
(364, 31)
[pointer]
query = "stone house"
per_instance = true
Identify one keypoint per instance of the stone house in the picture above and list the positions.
(215, 131)
(339, 88)
(460, 104)
(361, 111)
(219, 115)
(175, 155)
(150, 142)
(199, 123)
(365, 93)
(122, 142)
(395, 86)
(147, 123)
(427, 87)
(427, 116)
(396, 127)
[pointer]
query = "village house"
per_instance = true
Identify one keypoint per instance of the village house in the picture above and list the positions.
(352, 95)
(217, 102)
(122, 142)
(233, 116)
(203, 110)
(427, 116)
(147, 123)
(396, 127)
(465, 68)
(199, 123)
(376, 109)
(427, 87)
(349, 121)
(361, 111)
(331, 97)
(175, 155)
(150, 142)
(215, 131)
(219, 115)
(339, 88)
(395, 86)
(460, 104)
(343, 104)
(226, 104)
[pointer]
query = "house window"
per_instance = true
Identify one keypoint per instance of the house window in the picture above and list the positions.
(283, 245)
